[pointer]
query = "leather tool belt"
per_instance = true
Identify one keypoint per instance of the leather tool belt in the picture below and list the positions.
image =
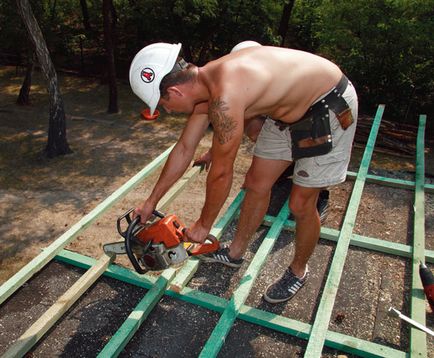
(311, 135)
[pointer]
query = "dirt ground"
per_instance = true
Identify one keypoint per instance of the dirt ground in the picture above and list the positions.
(41, 199)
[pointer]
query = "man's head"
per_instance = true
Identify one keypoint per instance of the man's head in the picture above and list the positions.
(154, 69)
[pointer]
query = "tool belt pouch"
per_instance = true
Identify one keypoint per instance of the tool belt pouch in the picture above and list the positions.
(345, 118)
(311, 136)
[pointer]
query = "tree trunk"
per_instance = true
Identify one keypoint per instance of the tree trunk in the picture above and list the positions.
(284, 20)
(85, 13)
(24, 96)
(57, 143)
(109, 24)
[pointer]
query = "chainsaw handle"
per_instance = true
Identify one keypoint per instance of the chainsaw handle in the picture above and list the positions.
(129, 237)
(127, 216)
(158, 213)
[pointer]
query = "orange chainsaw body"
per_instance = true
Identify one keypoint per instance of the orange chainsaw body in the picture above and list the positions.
(168, 230)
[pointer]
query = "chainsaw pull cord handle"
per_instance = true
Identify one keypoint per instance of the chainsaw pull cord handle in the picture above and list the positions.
(129, 237)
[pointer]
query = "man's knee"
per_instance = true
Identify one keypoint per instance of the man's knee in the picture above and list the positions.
(303, 204)
(255, 184)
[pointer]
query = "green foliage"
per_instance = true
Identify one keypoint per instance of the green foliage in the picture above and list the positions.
(384, 46)
(304, 17)
(13, 38)
(205, 28)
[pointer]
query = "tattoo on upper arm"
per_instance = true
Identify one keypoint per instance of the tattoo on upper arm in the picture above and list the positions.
(224, 125)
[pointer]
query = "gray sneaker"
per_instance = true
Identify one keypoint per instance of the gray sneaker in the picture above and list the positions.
(285, 287)
(221, 256)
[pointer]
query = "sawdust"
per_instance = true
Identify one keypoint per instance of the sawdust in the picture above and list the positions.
(41, 199)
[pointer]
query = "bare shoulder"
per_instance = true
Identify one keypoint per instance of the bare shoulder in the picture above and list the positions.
(220, 74)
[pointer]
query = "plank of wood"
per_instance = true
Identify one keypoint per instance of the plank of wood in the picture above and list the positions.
(176, 189)
(124, 334)
(16, 281)
(366, 242)
(50, 317)
(270, 320)
(227, 319)
(392, 182)
(324, 311)
(418, 346)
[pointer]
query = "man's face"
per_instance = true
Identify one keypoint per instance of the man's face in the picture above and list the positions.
(176, 103)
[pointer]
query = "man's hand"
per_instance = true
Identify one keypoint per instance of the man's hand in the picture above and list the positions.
(204, 159)
(196, 233)
(144, 210)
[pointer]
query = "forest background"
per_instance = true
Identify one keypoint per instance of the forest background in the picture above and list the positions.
(384, 46)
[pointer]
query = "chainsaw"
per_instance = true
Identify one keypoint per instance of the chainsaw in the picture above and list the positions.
(158, 244)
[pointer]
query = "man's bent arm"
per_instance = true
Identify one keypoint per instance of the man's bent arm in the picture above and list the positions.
(228, 133)
(177, 162)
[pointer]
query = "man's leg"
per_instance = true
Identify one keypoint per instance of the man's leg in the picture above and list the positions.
(259, 181)
(303, 206)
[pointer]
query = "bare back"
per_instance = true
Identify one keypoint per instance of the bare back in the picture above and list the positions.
(282, 83)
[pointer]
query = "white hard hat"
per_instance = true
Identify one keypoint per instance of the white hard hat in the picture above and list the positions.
(245, 44)
(148, 68)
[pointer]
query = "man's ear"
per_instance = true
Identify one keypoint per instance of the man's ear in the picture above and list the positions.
(175, 91)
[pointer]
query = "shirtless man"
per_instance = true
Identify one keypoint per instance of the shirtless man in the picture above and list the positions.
(252, 131)
(317, 108)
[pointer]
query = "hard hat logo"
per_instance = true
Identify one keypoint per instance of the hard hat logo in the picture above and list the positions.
(147, 75)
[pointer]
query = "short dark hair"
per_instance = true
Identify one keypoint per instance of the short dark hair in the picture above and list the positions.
(176, 78)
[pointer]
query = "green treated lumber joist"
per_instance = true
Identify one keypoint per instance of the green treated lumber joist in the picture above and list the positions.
(184, 275)
(124, 334)
(136, 318)
(301, 330)
(220, 332)
(16, 281)
(47, 320)
(392, 182)
(113, 271)
(269, 320)
(366, 242)
(418, 346)
(323, 314)
(32, 335)
(176, 189)
(121, 338)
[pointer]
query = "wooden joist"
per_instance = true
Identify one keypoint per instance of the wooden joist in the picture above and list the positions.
(51, 316)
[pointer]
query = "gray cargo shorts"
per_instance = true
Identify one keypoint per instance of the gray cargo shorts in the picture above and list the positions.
(315, 172)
